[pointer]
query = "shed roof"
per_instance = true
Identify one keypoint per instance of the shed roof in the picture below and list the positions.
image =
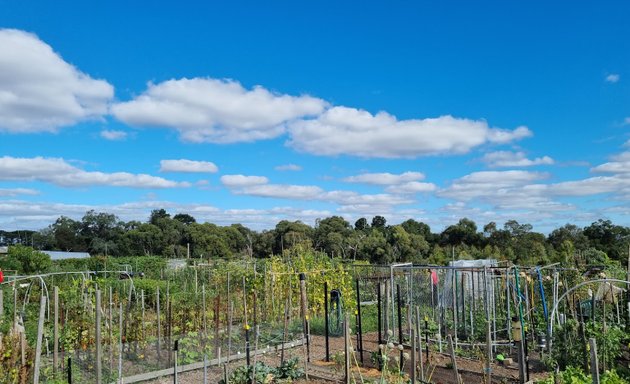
(61, 255)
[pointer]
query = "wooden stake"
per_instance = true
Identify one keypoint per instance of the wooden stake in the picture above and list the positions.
(229, 332)
(286, 326)
(159, 324)
(111, 330)
(55, 329)
(419, 344)
(40, 333)
(453, 359)
(217, 342)
(414, 362)
(304, 309)
(594, 361)
(120, 343)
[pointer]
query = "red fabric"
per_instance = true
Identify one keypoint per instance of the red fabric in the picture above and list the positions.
(434, 277)
(1, 276)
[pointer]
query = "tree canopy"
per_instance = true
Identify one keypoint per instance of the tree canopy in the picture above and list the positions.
(372, 239)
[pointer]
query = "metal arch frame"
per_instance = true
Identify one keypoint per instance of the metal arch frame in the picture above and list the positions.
(555, 307)
(41, 277)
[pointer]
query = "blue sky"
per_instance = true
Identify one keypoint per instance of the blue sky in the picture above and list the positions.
(254, 112)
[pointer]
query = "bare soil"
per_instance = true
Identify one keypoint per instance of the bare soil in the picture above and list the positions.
(438, 367)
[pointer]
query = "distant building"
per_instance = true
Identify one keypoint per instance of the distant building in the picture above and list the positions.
(176, 264)
(61, 255)
(4, 250)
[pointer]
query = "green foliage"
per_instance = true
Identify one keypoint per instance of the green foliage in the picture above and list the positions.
(261, 373)
(571, 351)
(577, 376)
(25, 260)
(289, 369)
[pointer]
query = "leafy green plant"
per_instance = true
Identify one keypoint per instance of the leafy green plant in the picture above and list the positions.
(289, 369)
(577, 376)
(261, 373)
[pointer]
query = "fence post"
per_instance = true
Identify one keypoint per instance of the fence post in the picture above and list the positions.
(594, 361)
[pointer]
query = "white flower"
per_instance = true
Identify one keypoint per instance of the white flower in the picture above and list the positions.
(381, 346)
(390, 345)
(400, 347)
(406, 356)
(390, 333)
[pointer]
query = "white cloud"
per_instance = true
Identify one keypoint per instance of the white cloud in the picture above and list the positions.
(502, 178)
(514, 159)
(592, 186)
(349, 131)
(12, 192)
(259, 186)
(279, 191)
(19, 214)
(39, 91)
(188, 166)
(288, 167)
(385, 178)
(411, 188)
(613, 78)
(216, 111)
(620, 165)
(113, 135)
(57, 171)
(240, 181)
(501, 189)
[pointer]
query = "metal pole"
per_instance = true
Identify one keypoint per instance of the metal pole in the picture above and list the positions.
(346, 339)
(400, 330)
(378, 313)
(175, 350)
(359, 330)
(326, 320)
(98, 342)
(69, 370)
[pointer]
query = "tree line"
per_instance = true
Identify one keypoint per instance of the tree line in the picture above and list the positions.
(181, 236)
